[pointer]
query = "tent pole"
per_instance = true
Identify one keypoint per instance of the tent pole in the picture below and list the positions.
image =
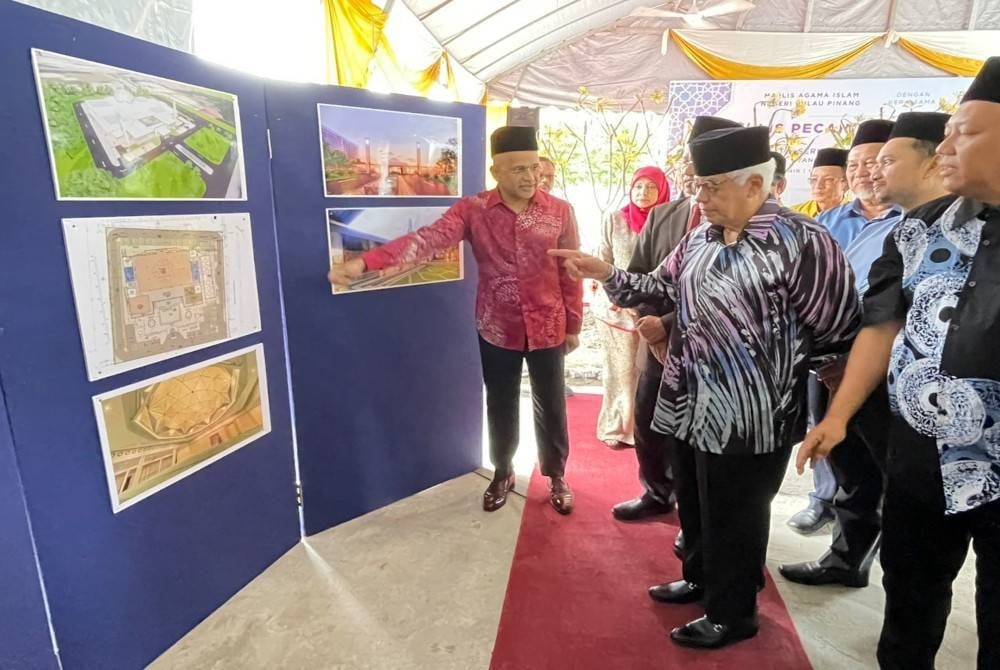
(517, 86)
(893, 6)
(433, 9)
(974, 13)
(452, 38)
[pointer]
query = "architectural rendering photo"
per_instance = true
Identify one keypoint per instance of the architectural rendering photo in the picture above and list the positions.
(374, 152)
(355, 231)
(117, 134)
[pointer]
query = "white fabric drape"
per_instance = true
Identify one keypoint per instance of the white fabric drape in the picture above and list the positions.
(775, 49)
(977, 44)
(414, 46)
(882, 63)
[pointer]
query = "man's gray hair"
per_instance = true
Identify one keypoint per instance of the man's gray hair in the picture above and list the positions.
(765, 170)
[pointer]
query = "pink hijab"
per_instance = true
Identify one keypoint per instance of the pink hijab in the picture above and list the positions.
(635, 215)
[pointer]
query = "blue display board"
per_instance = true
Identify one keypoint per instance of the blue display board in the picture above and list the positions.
(123, 587)
(386, 384)
(26, 643)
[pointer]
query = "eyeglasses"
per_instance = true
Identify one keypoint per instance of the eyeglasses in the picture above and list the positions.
(709, 186)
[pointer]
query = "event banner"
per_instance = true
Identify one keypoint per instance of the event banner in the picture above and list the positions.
(804, 116)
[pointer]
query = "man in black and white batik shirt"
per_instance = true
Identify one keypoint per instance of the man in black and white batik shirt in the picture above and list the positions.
(932, 316)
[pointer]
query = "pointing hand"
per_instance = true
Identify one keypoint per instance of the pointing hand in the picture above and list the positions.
(580, 265)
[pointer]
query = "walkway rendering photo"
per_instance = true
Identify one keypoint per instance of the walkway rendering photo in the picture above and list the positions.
(371, 152)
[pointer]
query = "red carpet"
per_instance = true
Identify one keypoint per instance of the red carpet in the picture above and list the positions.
(577, 599)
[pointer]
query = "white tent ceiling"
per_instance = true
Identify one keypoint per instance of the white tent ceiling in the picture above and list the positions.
(541, 51)
(166, 22)
(535, 52)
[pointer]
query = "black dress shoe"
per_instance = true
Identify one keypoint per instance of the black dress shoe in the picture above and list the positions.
(679, 545)
(812, 573)
(642, 507)
(705, 634)
(676, 593)
(811, 520)
(495, 496)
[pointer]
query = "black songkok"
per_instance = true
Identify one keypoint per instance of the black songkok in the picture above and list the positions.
(831, 156)
(703, 124)
(513, 138)
(926, 126)
(986, 85)
(874, 131)
(729, 149)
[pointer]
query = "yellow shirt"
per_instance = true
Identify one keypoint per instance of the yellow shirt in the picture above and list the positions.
(810, 208)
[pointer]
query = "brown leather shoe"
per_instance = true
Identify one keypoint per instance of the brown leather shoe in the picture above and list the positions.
(496, 493)
(560, 495)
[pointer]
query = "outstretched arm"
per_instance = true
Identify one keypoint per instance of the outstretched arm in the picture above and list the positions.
(572, 288)
(626, 289)
(418, 246)
(867, 366)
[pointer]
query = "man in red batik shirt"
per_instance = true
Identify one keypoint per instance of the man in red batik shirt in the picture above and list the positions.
(527, 306)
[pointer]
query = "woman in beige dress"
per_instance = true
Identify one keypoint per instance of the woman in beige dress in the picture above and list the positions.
(619, 232)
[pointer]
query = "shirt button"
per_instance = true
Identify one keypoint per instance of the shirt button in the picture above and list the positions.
(972, 283)
(953, 327)
(986, 243)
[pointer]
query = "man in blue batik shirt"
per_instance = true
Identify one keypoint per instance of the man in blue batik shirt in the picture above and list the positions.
(932, 318)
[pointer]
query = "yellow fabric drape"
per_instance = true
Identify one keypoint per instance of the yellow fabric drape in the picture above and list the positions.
(722, 68)
(403, 79)
(957, 65)
(356, 41)
(353, 33)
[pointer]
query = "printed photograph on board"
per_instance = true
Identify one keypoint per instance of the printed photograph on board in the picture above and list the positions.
(352, 232)
(158, 431)
(148, 288)
(115, 134)
(379, 153)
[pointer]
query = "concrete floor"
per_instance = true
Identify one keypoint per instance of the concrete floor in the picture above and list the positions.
(420, 585)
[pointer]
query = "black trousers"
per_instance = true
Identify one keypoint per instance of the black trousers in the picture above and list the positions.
(502, 376)
(858, 465)
(724, 503)
(923, 550)
(653, 450)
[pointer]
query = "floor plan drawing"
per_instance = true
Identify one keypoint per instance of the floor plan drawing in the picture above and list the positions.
(167, 290)
(150, 288)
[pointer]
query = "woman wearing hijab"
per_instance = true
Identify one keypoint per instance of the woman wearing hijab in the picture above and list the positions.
(617, 327)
